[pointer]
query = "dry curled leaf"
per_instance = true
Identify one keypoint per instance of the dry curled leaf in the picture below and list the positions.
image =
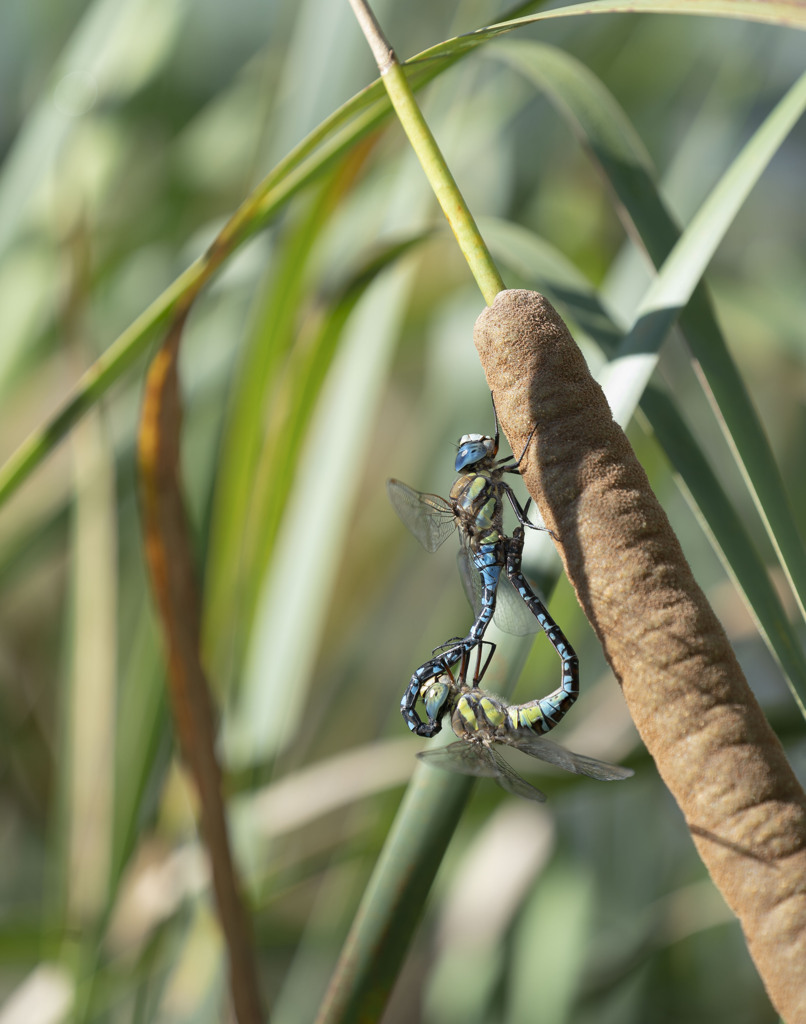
(169, 554)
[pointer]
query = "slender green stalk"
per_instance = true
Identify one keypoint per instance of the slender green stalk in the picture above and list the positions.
(431, 159)
(392, 904)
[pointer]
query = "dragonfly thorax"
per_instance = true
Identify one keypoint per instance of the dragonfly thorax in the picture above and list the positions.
(478, 713)
(475, 448)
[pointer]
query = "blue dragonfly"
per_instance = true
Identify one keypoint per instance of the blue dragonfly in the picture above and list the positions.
(482, 722)
(476, 507)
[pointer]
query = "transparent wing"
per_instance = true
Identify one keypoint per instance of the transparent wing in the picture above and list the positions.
(462, 757)
(509, 780)
(511, 613)
(474, 759)
(427, 516)
(579, 764)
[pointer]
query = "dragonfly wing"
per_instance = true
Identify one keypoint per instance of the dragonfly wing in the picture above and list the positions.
(471, 578)
(464, 758)
(579, 764)
(511, 614)
(427, 516)
(511, 611)
(485, 762)
(508, 779)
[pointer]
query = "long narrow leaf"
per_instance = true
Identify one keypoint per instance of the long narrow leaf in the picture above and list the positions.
(173, 578)
(272, 336)
(771, 12)
(275, 470)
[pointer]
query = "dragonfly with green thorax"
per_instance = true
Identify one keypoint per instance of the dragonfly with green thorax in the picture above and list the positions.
(482, 722)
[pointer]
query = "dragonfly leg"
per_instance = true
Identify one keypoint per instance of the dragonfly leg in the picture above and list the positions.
(449, 644)
(522, 512)
(515, 467)
(478, 674)
(543, 714)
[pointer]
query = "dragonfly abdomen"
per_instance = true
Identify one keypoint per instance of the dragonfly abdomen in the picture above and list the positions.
(477, 714)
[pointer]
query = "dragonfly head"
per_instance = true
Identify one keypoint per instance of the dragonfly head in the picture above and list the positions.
(475, 448)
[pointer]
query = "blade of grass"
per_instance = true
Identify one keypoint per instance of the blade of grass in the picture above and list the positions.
(93, 677)
(267, 348)
(770, 12)
(85, 812)
(390, 909)
(731, 401)
(302, 386)
(297, 593)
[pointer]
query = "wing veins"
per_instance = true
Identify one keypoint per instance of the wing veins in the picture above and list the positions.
(568, 760)
(428, 517)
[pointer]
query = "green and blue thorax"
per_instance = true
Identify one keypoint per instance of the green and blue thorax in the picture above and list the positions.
(477, 504)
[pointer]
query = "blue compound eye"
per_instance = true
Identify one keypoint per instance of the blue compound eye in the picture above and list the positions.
(472, 449)
(435, 697)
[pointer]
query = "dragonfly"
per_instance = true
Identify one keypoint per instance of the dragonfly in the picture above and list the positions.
(476, 507)
(482, 721)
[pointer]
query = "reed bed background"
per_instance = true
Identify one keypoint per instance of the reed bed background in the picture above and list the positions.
(334, 349)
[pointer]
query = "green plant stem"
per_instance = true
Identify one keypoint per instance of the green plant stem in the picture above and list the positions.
(431, 159)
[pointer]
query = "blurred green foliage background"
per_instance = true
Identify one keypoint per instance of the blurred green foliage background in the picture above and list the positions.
(333, 351)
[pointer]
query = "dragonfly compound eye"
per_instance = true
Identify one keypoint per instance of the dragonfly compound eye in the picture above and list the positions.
(473, 448)
(434, 697)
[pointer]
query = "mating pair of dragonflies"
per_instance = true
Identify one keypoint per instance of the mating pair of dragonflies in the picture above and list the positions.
(490, 567)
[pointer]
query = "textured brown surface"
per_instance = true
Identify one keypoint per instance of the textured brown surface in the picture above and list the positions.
(682, 683)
